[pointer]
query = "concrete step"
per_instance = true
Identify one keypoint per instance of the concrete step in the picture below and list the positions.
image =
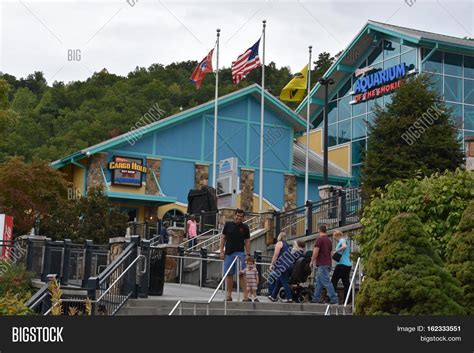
(163, 307)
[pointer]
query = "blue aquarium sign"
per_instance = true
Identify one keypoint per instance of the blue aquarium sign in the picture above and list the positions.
(378, 83)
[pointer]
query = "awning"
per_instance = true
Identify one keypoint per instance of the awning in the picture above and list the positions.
(140, 199)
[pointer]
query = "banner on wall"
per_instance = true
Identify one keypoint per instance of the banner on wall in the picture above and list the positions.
(6, 233)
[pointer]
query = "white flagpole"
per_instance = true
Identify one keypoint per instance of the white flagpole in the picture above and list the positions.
(306, 196)
(214, 158)
(260, 178)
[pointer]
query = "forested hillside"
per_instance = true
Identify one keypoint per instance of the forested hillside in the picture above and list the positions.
(41, 121)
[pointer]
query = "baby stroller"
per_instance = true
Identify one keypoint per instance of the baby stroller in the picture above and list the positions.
(299, 275)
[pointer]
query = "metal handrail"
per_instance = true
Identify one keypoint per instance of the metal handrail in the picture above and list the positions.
(223, 280)
(199, 236)
(352, 286)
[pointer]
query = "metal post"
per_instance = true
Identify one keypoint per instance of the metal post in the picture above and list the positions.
(238, 279)
(258, 259)
(145, 278)
(326, 139)
(277, 224)
(46, 268)
(66, 261)
(87, 262)
(180, 263)
(342, 200)
(92, 286)
(203, 278)
(309, 217)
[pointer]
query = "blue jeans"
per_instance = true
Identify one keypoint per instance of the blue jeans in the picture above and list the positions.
(228, 261)
(192, 242)
(272, 281)
(283, 282)
(322, 280)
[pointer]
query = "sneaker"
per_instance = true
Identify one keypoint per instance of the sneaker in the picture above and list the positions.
(314, 301)
(287, 301)
(256, 300)
(247, 300)
(229, 299)
(272, 299)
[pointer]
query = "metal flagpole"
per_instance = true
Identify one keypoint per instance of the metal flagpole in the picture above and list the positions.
(214, 158)
(306, 197)
(260, 172)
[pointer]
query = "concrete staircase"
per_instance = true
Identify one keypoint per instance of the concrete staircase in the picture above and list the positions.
(155, 306)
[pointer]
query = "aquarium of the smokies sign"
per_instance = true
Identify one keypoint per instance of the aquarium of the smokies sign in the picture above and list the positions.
(376, 84)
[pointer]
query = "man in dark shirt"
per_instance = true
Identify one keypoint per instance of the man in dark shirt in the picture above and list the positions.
(321, 259)
(236, 239)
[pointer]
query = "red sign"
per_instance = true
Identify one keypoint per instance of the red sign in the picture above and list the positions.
(6, 233)
(376, 92)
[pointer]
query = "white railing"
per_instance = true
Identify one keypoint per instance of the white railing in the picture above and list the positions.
(179, 303)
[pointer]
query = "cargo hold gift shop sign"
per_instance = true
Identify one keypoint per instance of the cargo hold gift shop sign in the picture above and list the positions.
(127, 171)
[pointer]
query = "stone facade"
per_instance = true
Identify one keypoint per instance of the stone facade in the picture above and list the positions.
(226, 214)
(246, 187)
(201, 175)
(153, 166)
(290, 191)
(267, 220)
(469, 152)
(95, 178)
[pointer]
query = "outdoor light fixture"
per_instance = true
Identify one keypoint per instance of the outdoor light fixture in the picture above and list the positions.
(325, 82)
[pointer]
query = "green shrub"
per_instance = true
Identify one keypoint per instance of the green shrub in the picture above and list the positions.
(404, 275)
(13, 304)
(460, 257)
(438, 200)
(14, 279)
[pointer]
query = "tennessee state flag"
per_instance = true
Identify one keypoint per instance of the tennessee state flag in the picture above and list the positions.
(295, 90)
(204, 67)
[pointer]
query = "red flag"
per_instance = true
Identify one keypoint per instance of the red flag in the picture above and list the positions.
(204, 67)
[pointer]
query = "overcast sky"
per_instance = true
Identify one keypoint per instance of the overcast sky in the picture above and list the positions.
(121, 35)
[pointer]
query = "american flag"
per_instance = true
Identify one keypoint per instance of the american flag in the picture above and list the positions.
(245, 63)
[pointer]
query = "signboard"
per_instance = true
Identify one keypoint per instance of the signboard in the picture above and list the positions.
(6, 233)
(127, 171)
(375, 84)
(227, 183)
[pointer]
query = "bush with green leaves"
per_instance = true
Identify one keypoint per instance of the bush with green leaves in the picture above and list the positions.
(405, 276)
(13, 304)
(438, 200)
(14, 279)
(460, 257)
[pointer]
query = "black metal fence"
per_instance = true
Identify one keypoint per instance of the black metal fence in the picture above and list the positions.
(340, 209)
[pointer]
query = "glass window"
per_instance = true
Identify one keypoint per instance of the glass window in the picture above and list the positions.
(456, 113)
(469, 117)
(332, 135)
(407, 47)
(437, 83)
(469, 91)
(390, 49)
(434, 63)
(387, 99)
(345, 89)
(345, 108)
(452, 64)
(358, 150)
(409, 59)
(452, 89)
(372, 102)
(356, 174)
(391, 62)
(376, 55)
(469, 66)
(332, 114)
(370, 120)
(358, 127)
(359, 108)
(344, 131)
(318, 122)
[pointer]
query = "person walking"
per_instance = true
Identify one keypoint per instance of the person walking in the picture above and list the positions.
(321, 260)
(343, 266)
(235, 242)
(281, 264)
(164, 235)
(191, 230)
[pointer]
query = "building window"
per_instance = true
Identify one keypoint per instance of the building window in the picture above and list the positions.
(469, 91)
(332, 112)
(344, 108)
(332, 135)
(358, 150)
(452, 89)
(344, 131)
(434, 63)
(358, 127)
(469, 117)
(390, 49)
(410, 59)
(376, 56)
(456, 113)
(469, 66)
(452, 64)
(172, 215)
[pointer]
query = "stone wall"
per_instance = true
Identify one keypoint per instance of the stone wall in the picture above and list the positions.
(246, 187)
(153, 165)
(290, 191)
(94, 173)
(201, 175)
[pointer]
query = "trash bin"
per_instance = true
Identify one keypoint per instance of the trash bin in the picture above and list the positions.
(157, 270)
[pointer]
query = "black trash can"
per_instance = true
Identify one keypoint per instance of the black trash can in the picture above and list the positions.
(157, 271)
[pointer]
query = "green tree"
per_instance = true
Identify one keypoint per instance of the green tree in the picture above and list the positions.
(29, 191)
(460, 259)
(439, 201)
(405, 276)
(412, 135)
